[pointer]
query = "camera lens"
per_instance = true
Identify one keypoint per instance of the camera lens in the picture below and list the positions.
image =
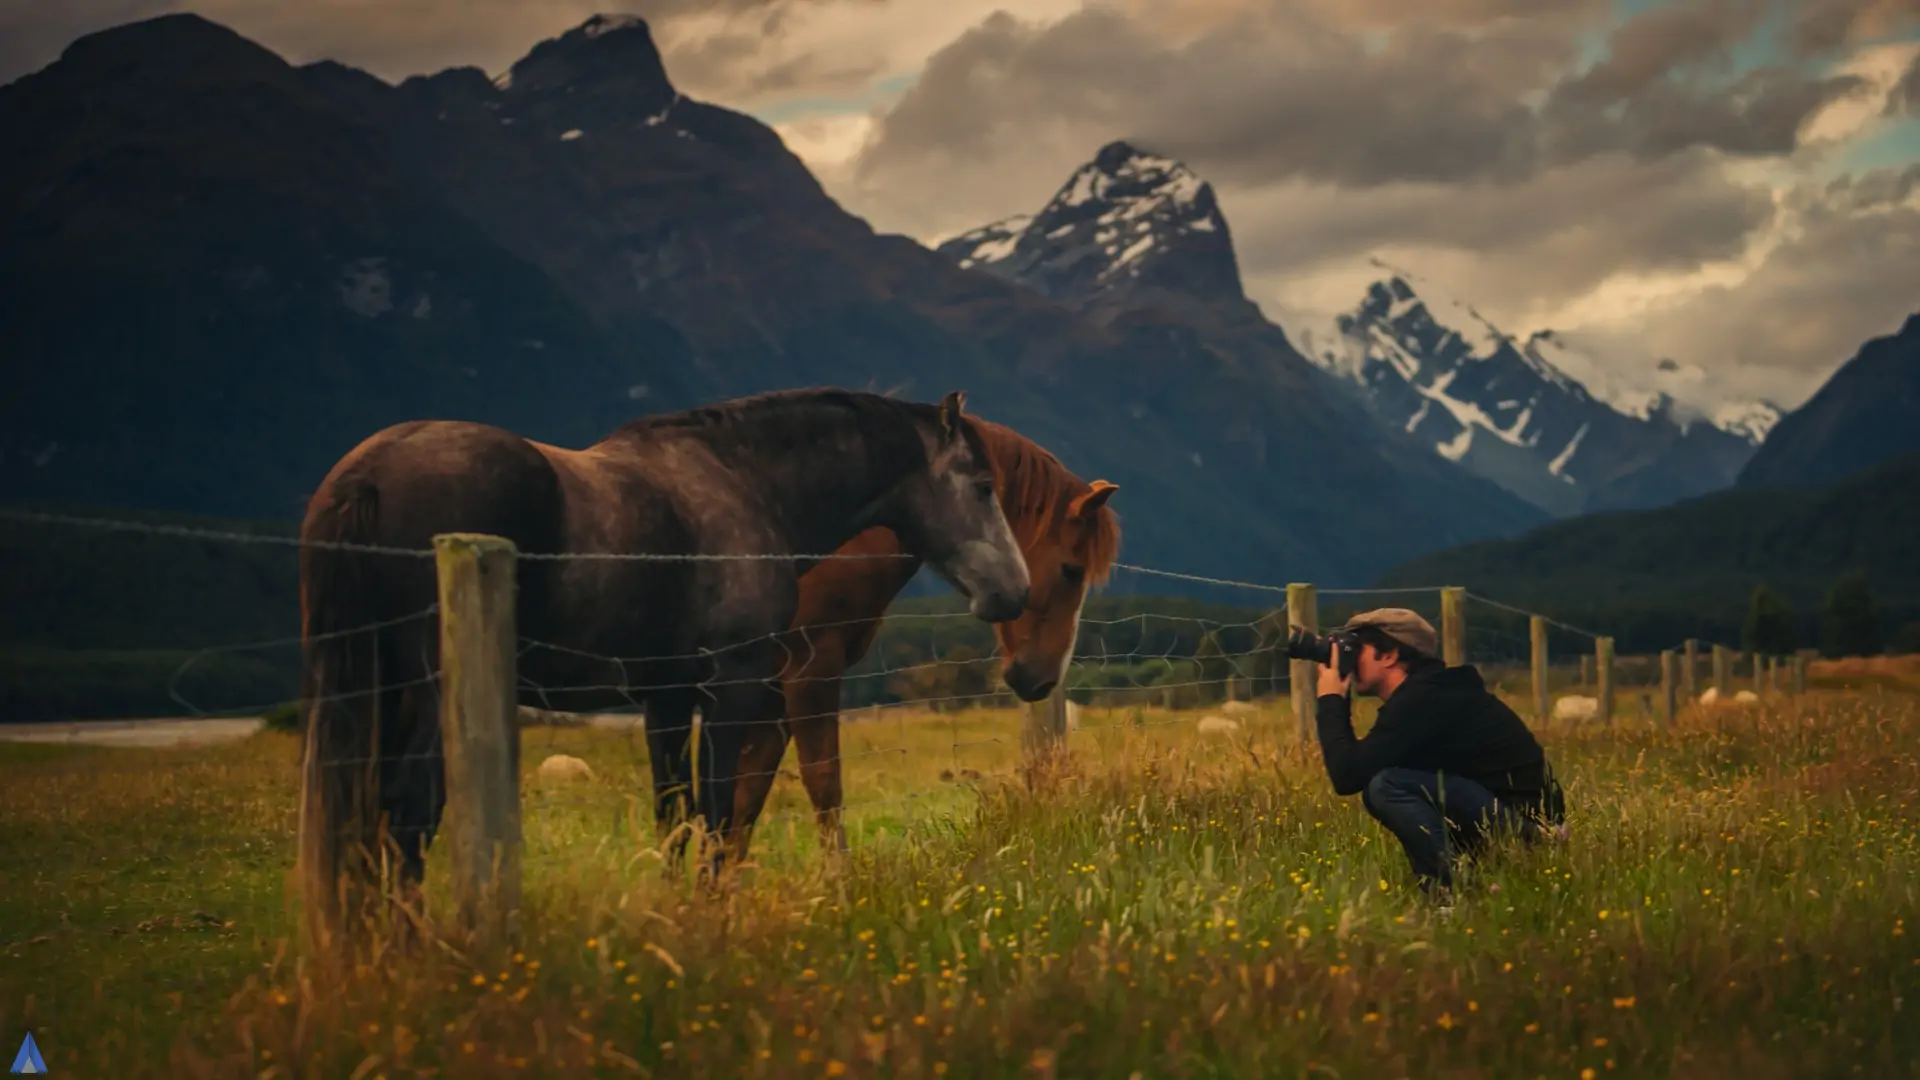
(1304, 644)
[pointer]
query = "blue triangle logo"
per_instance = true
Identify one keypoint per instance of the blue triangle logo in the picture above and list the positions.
(28, 1059)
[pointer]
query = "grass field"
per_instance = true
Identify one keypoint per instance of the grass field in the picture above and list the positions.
(1734, 900)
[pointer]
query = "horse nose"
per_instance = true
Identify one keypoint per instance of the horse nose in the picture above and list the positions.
(1028, 686)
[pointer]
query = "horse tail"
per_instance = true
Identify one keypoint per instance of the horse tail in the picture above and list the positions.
(340, 687)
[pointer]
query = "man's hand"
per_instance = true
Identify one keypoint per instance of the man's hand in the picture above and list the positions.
(1330, 680)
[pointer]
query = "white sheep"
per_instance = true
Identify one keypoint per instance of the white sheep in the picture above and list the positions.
(563, 768)
(1576, 707)
(1218, 725)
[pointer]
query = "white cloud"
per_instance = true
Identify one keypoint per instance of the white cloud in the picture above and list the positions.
(1850, 117)
(827, 142)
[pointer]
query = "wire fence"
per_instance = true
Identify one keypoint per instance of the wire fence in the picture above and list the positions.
(922, 719)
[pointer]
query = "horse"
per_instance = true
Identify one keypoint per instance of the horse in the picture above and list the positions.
(611, 611)
(1069, 538)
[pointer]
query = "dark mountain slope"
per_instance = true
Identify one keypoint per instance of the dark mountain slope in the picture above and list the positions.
(1868, 412)
(214, 280)
(1652, 577)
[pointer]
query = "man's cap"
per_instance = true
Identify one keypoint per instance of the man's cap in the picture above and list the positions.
(1400, 624)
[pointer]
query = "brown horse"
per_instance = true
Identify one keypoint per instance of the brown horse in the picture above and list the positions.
(1070, 539)
(745, 485)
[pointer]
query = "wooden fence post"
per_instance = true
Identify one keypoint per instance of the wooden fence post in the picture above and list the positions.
(1542, 693)
(1303, 610)
(1722, 672)
(1603, 668)
(480, 737)
(1690, 671)
(1453, 625)
(1586, 672)
(1669, 686)
(1046, 726)
(1759, 665)
(1798, 680)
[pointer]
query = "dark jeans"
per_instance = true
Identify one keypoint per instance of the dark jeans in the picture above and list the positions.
(1435, 817)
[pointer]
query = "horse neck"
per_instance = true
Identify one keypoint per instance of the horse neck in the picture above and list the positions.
(828, 475)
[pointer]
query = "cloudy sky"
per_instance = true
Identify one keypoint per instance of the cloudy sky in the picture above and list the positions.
(1735, 184)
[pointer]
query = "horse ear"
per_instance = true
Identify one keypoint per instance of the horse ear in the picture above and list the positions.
(1084, 506)
(952, 408)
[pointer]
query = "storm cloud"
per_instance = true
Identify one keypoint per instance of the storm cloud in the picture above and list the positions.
(1679, 177)
(1528, 158)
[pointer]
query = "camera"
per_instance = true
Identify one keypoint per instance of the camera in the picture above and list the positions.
(1304, 644)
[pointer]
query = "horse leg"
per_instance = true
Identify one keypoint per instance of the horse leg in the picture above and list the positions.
(760, 755)
(815, 721)
(413, 791)
(669, 722)
(744, 698)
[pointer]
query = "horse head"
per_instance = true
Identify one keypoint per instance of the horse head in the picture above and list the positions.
(1062, 562)
(951, 515)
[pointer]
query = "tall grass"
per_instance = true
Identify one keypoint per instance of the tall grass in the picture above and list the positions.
(1735, 898)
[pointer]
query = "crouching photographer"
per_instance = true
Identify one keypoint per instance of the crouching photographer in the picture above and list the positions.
(1446, 764)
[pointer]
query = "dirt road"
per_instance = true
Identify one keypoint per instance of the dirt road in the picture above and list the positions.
(133, 732)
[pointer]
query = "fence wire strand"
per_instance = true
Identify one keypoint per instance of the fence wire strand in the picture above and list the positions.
(1161, 670)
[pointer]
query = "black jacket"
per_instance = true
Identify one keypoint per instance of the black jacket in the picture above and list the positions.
(1441, 719)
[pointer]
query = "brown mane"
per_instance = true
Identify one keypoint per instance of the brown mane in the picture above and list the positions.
(1035, 489)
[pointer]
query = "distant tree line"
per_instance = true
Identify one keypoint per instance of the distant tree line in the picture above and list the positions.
(1850, 623)
(102, 624)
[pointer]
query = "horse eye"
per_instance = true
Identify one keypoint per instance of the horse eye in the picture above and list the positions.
(983, 488)
(1072, 574)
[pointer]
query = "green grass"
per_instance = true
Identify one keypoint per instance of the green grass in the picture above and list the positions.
(1735, 899)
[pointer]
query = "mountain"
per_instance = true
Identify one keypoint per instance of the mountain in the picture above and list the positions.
(1129, 229)
(220, 271)
(1134, 236)
(1548, 418)
(213, 280)
(1135, 243)
(1868, 411)
(1653, 578)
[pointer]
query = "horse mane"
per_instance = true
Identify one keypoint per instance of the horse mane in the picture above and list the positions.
(1035, 489)
(889, 425)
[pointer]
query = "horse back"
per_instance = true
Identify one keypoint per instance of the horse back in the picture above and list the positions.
(411, 481)
(665, 497)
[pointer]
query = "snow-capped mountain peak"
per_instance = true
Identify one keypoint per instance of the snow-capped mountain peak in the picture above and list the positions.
(1640, 388)
(1132, 182)
(990, 243)
(1125, 221)
(1559, 421)
(1432, 303)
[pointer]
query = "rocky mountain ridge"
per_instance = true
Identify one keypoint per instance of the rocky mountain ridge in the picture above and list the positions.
(222, 271)
(1867, 412)
(1134, 232)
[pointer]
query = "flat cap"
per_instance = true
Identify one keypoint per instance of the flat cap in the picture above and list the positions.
(1400, 624)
